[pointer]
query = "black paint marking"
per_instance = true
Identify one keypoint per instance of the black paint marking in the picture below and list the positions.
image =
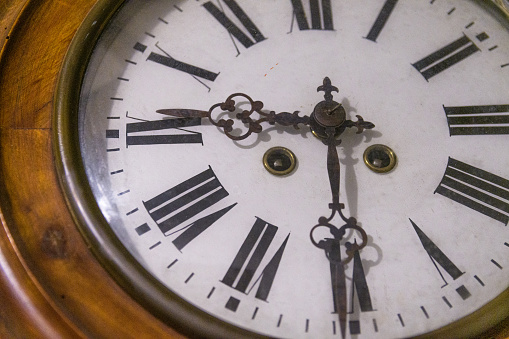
(133, 211)
(493, 48)
(112, 118)
(319, 11)
(141, 133)
(463, 292)
(477, 189)
(113, 150)
(477, 120)
(122, 79)
(182, 66)
(261, 236)
(131, 62)
(178, 8)
(180, 203)
(381, 20)
(307, 325)
(447, 302)
(445, 57)
(172, 263)
(437, 256)
(482, 36)
(254, 313)
(496, 263)
(112, 134)
(232, 304)
(375, 325)
(164, 21)
(279, 320)
(116, 172)
(124, 192)
(189, 278)
(355, 327)
(211, 292)
(451, 11)
(140, 47)
(155, 245)
(479, 280)
(150, 34)
(334, 327)
(504, 65)
(425, 312)
(142, 229)
(232, 29)
(117, 99)
(507, 244)
(469, 25)
(401, 320)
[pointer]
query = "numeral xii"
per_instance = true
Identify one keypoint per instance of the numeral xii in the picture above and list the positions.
(320, 11)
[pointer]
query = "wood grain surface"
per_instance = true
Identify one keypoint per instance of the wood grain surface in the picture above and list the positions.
(51, 286)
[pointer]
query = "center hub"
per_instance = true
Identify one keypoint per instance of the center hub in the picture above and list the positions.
(329, 114)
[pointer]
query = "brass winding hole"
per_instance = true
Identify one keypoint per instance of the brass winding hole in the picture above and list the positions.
(279, 161)
(380, 158)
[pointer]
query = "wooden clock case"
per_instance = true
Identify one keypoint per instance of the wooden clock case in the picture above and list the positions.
(51, 285)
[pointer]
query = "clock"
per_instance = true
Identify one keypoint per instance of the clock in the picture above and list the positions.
(368, 198)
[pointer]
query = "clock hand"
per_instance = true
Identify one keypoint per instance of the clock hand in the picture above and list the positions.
(283, 118)
(332, 125)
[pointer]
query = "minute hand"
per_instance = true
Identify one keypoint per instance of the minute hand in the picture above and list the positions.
(254, 125)
(333, 168)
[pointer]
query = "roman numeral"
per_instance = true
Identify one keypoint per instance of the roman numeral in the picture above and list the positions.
(234, 30)
(381, 20)
(248, 259)
(437, 256)
(168, 61)
(359, 287)
(321, 12)
(134, 132)
(478, 120)
(445, 57)
(182, 202)
(477, 189)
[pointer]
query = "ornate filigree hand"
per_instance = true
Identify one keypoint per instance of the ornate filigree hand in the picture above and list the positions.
(327, 113)
(254, 126)
(329, 119)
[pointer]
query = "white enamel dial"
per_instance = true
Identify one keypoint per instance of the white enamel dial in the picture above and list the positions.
(203, 216)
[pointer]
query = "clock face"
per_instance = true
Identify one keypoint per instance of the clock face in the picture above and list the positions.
(202, 214)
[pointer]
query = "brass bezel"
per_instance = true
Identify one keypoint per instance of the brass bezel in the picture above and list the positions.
(289, 154)
(129, 274)
(393, 160)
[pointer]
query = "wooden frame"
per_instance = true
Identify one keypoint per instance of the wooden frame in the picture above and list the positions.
(51, 285)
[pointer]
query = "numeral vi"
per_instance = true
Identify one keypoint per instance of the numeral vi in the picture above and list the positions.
(248, 260)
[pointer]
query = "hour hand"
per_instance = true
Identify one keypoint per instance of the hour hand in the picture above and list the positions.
(245, 116)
